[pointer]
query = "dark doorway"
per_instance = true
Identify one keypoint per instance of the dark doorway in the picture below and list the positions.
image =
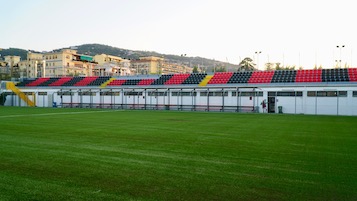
(271, 104)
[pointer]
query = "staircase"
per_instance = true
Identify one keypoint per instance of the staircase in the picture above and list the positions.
(205, 80)
(11, 86)
(106, 83)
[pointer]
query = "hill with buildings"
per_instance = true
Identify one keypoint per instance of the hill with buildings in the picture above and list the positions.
(93, 49)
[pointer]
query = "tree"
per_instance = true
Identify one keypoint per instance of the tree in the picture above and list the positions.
(195, 69)
(221, 69)
(270, 66)
(246, 65)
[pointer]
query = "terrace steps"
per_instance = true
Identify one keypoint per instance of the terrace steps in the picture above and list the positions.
(205, 80)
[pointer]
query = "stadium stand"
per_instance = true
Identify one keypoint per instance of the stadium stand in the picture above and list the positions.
(162, 79)
(203, 79)
(85, 81)
(49, 81)
(177, 79)
(146, 82)
(335, 75)
(73, 81)
(221, 78)
(284, 76)
(99, 81)
(60, 81)
(309, 75)
(261, 77)
(195, 78)
(38, 81)
(352, 74)
(132, 82)
(116, 82)
(240, 77)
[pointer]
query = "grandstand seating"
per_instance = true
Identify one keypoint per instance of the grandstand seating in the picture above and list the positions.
(60, 81)
(73, 81)
(24, 83)
(146, 82)
(38, 81)
(177, 79)
(284, 76)
(85, 81)
(116, 83)
(49, 81)
(131, 82)
(261, 77)
(240, 77)
(221, 78)
(195, 78)
(352, 74)
(99, 81)
(162, 79)
(246, 77)
(309, 75)
(335, 75)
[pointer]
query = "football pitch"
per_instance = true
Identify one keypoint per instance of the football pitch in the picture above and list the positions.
(83, 154)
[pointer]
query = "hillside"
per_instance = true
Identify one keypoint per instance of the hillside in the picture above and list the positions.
(93, 49)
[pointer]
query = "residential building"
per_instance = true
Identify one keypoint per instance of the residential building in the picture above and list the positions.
(147, 65)
(68, 63)
(109, 65)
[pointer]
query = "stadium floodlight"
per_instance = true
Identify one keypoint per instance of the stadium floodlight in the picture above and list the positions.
(340, 47)
(257, 53)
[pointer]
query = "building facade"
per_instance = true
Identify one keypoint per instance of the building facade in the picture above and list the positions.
(68, 62)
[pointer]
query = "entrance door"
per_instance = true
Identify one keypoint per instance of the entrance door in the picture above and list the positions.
(271, 104)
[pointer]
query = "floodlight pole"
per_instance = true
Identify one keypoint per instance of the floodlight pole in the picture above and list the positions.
(340, 47)
(257, 53)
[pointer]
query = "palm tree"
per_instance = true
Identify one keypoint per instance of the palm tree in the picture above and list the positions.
(246, 65)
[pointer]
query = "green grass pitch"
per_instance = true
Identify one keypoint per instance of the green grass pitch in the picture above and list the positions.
(82, 154)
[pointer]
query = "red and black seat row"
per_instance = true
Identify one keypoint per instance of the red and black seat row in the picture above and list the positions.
(249, 77)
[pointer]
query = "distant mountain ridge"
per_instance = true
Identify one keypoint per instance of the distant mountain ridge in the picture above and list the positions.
(93, 49)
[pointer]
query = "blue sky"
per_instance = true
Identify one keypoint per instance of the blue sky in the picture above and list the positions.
(301, 32)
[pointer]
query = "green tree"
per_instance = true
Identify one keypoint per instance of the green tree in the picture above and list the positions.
(195, 69)
(246, 65)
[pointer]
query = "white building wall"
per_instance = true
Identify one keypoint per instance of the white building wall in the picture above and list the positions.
(291, 105)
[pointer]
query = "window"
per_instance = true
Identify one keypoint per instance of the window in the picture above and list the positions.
(327, 93)
(289, 93)
(133, 93)
(184, 93)
(157, 93)
(42, 93)
(110, 93)
(271, 93)
(29, 93)
(245, 93)
(87, 93)
(65, 93)
(311, 93)
(342, 94)
(354, 94)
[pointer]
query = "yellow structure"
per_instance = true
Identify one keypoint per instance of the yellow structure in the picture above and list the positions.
(205, 80)
(106, 83)
(147, 65)
(104, 58)
(11, 86)
(12, 60)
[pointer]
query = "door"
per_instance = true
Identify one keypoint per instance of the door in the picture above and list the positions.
(271, 104)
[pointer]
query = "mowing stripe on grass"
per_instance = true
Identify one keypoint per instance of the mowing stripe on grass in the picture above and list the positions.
(57, 113)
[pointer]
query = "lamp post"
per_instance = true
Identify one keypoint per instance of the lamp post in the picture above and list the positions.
(340, 47)
(257, 53)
